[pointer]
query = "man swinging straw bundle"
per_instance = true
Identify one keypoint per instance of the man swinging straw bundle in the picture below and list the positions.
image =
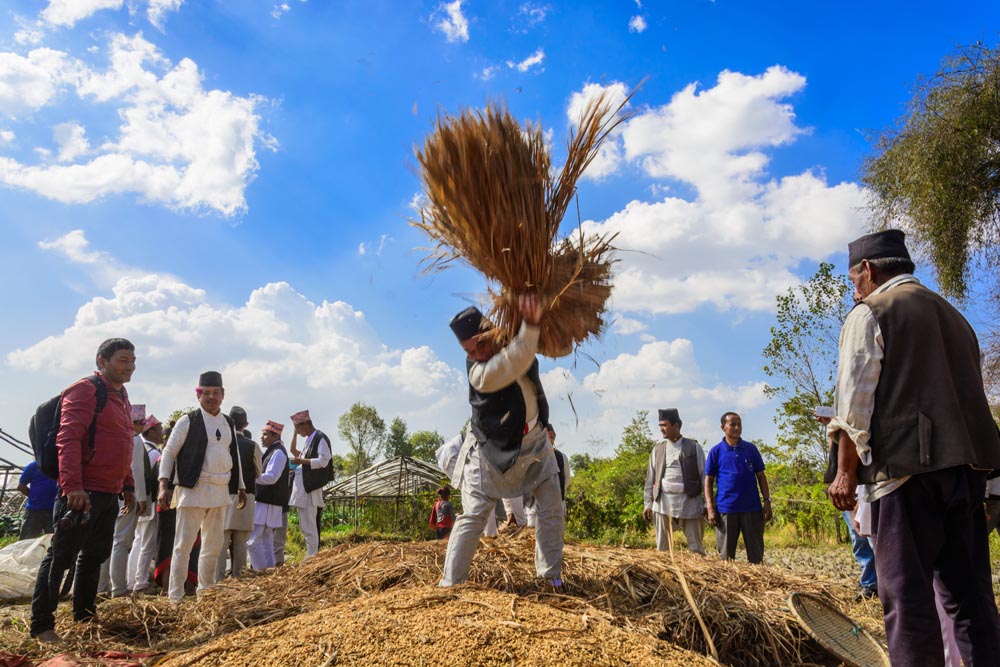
(495, 204)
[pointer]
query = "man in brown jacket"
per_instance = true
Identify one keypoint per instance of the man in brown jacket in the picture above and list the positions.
(913, 427)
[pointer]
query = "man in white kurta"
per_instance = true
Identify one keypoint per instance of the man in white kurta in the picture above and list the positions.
(665, 501)
(529, 468)
(147, 527)
(114, 571)
(316, 455)
(201, 507)
(268, 517)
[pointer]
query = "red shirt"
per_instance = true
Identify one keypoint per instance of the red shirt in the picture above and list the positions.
(110, 469)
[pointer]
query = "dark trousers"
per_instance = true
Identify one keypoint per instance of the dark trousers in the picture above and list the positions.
(932, 530)
(35, 524)
(93, 542)
(727, 534)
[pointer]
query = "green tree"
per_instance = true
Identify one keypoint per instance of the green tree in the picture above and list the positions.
(801, 361)
(397, 442)
(364, 431)
(605, 499)
(937, 171)
(637, 438)
(424, 444)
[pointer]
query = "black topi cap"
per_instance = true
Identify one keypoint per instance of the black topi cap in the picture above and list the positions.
(467, 324)
(889, 243)
(210, 379)
(670, 415)
(239, 415)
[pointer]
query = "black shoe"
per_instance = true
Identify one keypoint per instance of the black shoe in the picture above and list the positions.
(867, 593)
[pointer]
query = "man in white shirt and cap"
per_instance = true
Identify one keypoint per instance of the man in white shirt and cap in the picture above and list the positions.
(507, 452)
(202, 457)
(147, 526)
(114, 571)
(315, 469)
(672, 496)
(273, 491)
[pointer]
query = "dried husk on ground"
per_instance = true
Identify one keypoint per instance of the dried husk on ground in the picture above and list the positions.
(638, 591)
(495, 203)
(463, 627)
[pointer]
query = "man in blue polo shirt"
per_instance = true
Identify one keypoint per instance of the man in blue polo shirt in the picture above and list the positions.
(41, 492)
(739, 468)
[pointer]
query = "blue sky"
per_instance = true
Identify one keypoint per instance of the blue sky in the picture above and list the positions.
(228, 184)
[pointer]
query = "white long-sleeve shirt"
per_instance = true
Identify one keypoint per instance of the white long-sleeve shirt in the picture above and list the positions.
(313, 498)
(509, 365)
(861, 352)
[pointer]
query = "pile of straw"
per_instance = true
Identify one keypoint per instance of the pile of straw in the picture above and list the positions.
(495, 203)
(467, 627)
(638, 591)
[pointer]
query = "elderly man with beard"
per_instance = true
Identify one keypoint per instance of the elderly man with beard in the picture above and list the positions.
(314, 471)
(507, 452)
(202, 457)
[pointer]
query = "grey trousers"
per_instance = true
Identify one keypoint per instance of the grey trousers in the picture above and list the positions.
(234, 546)
(693, 529)
(114, 571)
(476, 508)
(727, 535)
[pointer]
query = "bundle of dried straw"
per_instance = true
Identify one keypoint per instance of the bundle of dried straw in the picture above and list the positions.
(495, 203)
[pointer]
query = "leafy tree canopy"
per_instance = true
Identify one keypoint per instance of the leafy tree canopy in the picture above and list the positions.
(801, 361)
(938, 169)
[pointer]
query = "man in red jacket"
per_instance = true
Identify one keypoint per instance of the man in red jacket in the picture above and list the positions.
(90, 482)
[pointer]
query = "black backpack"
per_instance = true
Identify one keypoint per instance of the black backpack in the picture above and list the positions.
(44, 427)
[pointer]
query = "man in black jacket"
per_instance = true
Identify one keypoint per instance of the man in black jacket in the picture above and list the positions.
(506, 453)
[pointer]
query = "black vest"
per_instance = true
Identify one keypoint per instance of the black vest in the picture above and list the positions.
(247, 447)
(192, 455)
(498, 418)
(149, 470)
(280, 491)
(931, 411)
(561, 462)
(316, 478)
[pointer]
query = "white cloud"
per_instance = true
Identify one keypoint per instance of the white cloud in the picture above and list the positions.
(29, 33)
(283, 352)
(67, 12)
(487, 73)
(534, 60)
(713, 139)
(179, 145)
(158, 8)
(637, 24)
(280, 9)
(362, 249)
(610, 154)
(6, 137)
(28, 83)
(449, 19)
(529, 15)
(72, 141)
(74, 246)
(660, 374)
(626, 326)
(739, 241)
